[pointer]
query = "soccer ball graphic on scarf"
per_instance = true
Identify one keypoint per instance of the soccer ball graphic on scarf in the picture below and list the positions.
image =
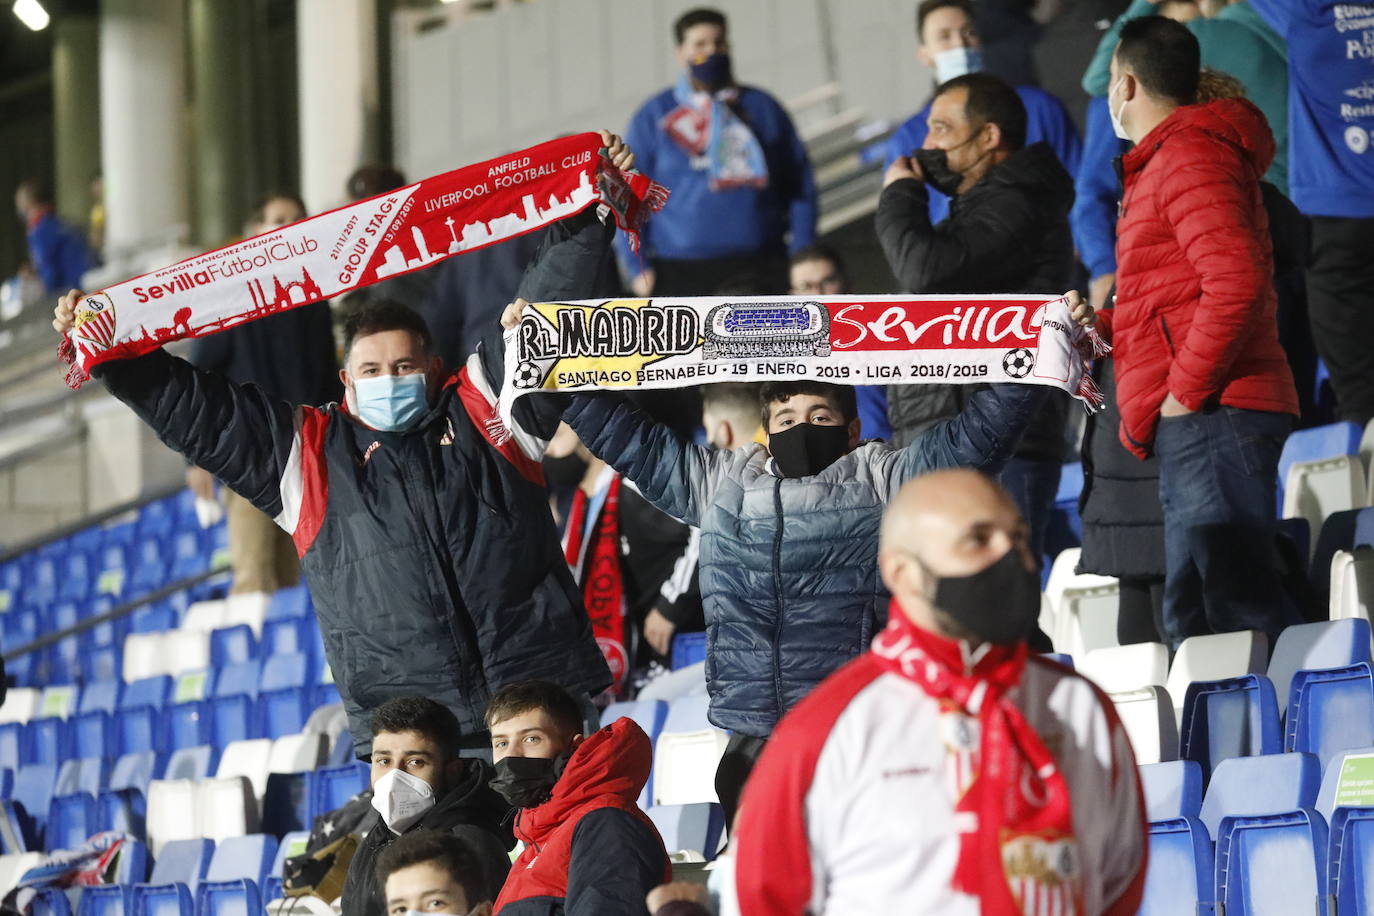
(1018, 363)
(527, 375)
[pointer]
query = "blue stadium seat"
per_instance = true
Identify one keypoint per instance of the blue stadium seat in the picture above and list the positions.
(191, 763)
(1236, 717)
(148, 691)
(323, 695)
(1330, 710)
(153, 618)
(232, 646)
(45, 740)
(1172, 789)
(331, 787)
(1309, 646)
(6, 782)
(1063, 658)
(11, 734)
(1271, 844)
(696, 827)
(151, 567)
(650, 715)
(135, 771)
(236, 898)
(687, 714)
(284, 635)
(100, 696)
(156, 519)
(102, 663)
(106, 900)
(15, 828)
(40, 582)
(50, 901)
(688, 649)
(239, 678)
(241, 860)
(186, 725)
(190, 555)
(292, 601)
(71, 821)
(285, 670)
(122, 810)
(285, 711)
(33, 789)
(122, 534)
(170, 890)
(1318, 442)
(63, 662)
(291, 845)
(232, 718)
(286, 803)
(76, 578)
(88, 774)
(20, 626)
(1272, 784)
(93, 734)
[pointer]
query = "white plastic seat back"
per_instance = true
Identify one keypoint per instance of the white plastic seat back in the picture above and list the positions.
(1148, 717)
(12, 868)
(1367, 457)
(189, 650)
(226, 807)
(297, 753)
(1352, 584)
(1315, 489)
(204, 616)
(1086, 620)
(249, 607)
(325, 719)
(1061, 571)
(1215, 657)
(248, 759)
(685, 766)
(172, 812)
(1121, 669)
(146, 655)
(21, 705)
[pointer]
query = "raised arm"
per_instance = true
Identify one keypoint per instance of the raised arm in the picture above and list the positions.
(677, 476)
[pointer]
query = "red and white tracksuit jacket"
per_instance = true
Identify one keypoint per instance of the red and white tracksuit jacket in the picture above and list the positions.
(851, 809)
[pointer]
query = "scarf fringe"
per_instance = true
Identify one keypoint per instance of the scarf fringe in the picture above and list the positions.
(66, 353)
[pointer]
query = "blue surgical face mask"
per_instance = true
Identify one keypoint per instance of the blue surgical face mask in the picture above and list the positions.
(954, 62)
(391, 403)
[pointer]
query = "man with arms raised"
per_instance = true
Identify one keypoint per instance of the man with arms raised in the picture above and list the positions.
(422, 523)
(947, 771)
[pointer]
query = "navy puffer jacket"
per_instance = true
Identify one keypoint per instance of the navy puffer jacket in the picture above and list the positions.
(789, 566)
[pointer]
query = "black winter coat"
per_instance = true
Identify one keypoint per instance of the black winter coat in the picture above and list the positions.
(470, 811)
(290, 354)
(431, 556)
(1009, 233)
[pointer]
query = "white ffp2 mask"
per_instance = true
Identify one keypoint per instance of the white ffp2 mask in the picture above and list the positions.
(401, 800)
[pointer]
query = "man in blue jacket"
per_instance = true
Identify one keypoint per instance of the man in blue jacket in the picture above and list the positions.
(948, 43)
(789, 531)
(1331, 179)
(743, 193)
(58, 252)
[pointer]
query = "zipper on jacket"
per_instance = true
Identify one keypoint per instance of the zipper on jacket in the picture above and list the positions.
(1168, 338)
(777, 593)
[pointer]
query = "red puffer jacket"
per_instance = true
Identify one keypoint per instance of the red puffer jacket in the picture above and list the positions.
(1194, 310)
(589, 850)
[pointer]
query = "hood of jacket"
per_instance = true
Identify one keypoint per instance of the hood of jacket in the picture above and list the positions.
(1037, 172)
(610, 766)
(1236, 122)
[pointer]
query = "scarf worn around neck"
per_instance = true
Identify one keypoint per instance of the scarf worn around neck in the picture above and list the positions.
(1017, 853)
(705, 125)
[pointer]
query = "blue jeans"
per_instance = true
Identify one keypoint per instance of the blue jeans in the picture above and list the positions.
(1218, 472)
(1033, 484)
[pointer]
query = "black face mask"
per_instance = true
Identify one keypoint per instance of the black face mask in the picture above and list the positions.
(935, 164)
(808, 448)
(712, 72)
(999, 604)
(526, 782)
(564, 473)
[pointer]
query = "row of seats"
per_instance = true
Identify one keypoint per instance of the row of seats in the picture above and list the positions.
(1269, 835)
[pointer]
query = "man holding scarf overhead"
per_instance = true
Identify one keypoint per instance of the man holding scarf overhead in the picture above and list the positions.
(947, 770)
(743, 192)
(420, 517)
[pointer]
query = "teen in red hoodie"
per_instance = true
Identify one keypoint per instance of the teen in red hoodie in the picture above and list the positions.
(1201, 379)
(589, 849)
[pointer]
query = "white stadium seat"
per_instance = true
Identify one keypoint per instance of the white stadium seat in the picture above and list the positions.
(685, 766)
(1315, 489)
(21, 705)
(1214, 658)
(1120, 669)
(1148, 717)
(1352, 584)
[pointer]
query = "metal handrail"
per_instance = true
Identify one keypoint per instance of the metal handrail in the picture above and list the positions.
(87, 521)
(114, 613)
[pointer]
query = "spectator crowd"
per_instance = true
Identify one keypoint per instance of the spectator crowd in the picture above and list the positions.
(864, 561)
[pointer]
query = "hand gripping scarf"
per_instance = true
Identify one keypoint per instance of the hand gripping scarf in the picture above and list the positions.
(1016, 844)
(848, 340)
(705, 124)
(356, 245)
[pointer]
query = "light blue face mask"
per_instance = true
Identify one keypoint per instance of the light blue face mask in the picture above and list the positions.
(391, 403)
(953, 62)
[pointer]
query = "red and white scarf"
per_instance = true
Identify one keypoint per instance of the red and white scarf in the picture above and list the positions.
(591, 545)
(1016, 845)
(356, 245)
